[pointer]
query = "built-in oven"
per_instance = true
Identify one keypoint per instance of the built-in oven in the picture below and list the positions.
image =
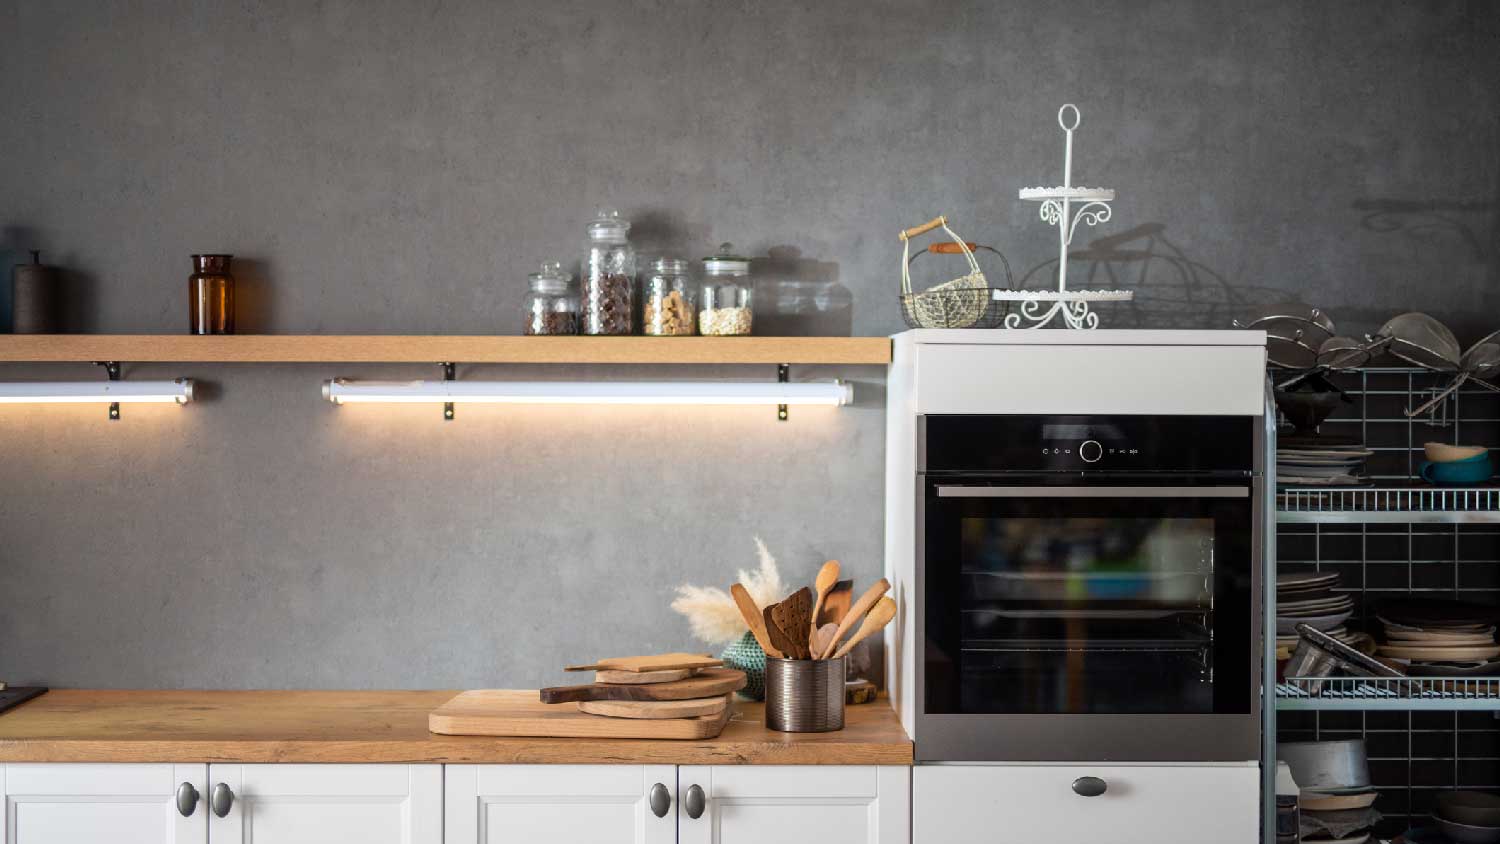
(1086, 588)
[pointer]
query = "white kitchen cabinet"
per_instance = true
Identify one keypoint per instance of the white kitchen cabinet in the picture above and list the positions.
(1141, 804)
(311, 804)
(120, 804)
(796, 804)
(599, 804)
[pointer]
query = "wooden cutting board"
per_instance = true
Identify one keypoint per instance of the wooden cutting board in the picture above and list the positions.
(656, 662)
(708, 683)
(517, 712)
(655, 709)
(637, 677)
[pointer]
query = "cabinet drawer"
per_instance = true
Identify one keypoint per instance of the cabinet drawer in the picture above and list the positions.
(1142, 804)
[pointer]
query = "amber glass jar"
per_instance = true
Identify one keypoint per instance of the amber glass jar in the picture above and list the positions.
(211, 295)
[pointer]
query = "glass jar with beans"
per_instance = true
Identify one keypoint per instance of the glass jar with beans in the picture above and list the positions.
(608, 277)
(725, 307)
(551, 308)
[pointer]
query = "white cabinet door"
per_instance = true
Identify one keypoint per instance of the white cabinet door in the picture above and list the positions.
(796, 804)
(312, 804)
(119, 804)
(1141, 804)
(549, 804)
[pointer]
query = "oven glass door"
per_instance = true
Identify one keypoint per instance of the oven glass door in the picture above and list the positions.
(1042, 598)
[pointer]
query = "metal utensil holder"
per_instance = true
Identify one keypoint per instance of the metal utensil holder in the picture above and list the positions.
(805, 695)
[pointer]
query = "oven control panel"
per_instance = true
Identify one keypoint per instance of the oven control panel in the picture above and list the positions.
(1081, 443)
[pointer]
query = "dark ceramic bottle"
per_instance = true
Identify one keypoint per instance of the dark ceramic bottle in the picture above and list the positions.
(211, 295)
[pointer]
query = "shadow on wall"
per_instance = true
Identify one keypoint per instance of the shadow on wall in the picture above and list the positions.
(800, 297)
(253, 295)
(1172, 290)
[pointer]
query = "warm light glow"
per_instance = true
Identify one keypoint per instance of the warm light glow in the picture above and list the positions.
(96, 392)
(590, 392)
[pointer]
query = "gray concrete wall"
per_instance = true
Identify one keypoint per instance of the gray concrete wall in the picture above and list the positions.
(399, 167)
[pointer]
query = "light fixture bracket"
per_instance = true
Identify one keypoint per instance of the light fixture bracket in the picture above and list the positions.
(112, 372)
(783, 375)
(449, 374)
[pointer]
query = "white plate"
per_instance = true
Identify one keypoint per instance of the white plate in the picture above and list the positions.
(1287, 626)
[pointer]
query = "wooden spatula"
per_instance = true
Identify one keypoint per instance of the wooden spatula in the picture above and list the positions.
(755, 620)
(794, 616)
(879, 616)
(860, 607)
(780, 641)
(828, 575)
(836, 605)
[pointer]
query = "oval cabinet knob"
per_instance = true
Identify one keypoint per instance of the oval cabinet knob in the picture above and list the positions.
(1089, 786)
(695, 801)
(660, 800)
(221, 800)
(187, 800)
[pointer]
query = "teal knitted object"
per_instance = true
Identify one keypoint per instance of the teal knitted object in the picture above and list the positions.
(747, 656)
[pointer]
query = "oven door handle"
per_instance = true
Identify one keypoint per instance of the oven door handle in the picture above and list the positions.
(1093, 491)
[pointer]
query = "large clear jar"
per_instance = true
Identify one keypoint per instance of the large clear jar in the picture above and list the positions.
(551, 307)
(725, 308)
(667, 300)
(608, 279)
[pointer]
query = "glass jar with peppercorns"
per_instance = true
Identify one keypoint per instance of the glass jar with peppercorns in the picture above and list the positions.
(551, 307)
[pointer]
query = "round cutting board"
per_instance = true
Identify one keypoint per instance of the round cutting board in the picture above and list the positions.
(654, 708)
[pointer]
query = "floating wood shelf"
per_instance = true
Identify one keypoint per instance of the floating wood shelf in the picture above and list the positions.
(395, 348)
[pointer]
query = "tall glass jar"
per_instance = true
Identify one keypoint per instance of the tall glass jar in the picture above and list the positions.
(666, 299)
(608, 276)
(725, 307)
(550, 306)
(211, 295)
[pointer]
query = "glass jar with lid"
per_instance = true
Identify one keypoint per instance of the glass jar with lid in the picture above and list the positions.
(725, 307)
(551, 307)
(667, 301)
(608, 278)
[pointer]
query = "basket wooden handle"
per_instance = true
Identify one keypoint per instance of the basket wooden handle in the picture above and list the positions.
(948, 248)
(925, 227)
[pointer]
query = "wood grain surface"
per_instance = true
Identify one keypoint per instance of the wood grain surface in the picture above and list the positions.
(517, 712)
(708, 683)
(651, 662)
(77, 725)
(395, 348)
(655, 709)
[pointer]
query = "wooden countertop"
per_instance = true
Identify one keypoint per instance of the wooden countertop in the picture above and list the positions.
(79, 725)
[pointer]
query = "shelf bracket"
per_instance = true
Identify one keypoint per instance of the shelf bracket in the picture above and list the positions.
(783, 371)
(112, 372)
(448, 375)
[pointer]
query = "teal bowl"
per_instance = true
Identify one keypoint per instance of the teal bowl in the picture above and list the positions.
(1472, 470)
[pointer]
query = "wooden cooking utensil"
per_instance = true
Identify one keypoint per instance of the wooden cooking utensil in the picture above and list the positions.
(836, 605)
(710, 683)
(658, 662)
(754, 619)
(780, 641)
(879, 616)
(636, 678)
(859, 608)
(654, 709)
(794, 616)
(821, 639)
(828, 575)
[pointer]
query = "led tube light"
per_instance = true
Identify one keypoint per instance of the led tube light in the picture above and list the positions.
(341, 391)
(96, 392)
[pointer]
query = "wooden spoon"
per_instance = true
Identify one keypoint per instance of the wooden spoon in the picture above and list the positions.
(879, 616)
(754, 619)
(828, 575)
(821, 639)
(859, 608)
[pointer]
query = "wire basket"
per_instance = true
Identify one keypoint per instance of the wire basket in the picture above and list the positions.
(964, 302)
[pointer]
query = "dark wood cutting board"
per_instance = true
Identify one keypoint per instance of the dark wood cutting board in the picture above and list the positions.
(710, 682)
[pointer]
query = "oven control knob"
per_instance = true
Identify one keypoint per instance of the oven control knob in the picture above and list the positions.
(1091, 451)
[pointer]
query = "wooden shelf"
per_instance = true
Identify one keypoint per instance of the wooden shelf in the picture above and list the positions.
(395, 348)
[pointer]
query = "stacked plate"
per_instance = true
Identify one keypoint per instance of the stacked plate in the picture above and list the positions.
(1308, 597)
(1435, 637)
(1336, 800)
(1469, 816)
(1320, 461)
